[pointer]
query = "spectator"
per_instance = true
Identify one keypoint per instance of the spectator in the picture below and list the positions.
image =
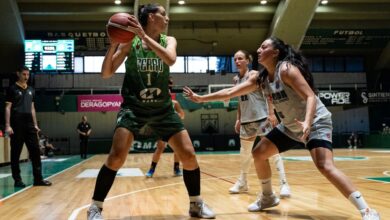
(21, 125)
(84, 129)
(353, 141)
(47, 148)
(385, 129)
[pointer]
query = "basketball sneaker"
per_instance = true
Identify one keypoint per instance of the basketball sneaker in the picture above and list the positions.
(94, 213)
(284, 191)
(177, 172)
(200, 210)
(264, 202)
(150, 173)
(370, 214)
(239, 187)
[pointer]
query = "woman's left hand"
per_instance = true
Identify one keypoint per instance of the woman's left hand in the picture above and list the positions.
(136, 27)
(305, 129)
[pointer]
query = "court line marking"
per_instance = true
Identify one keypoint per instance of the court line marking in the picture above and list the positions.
(76, 211)
(49, 177)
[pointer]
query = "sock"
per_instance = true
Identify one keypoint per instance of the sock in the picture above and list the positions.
(242, 178)
(104, 181)
(266, 186)
(246, 157)
(98, 204)
(356, 198)
(280, 168)
(176, 166)
(196, 199)
(153, 165)
(192, 181)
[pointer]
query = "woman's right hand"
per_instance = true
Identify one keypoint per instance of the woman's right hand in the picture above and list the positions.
(8, 130)
(192, 95)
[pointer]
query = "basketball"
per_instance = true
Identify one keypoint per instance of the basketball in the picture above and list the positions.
(118, 28)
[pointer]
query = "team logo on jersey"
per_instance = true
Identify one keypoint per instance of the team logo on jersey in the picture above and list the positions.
(150, 93)
(149, 64)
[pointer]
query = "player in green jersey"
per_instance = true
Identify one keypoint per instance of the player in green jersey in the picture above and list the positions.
(147, 105)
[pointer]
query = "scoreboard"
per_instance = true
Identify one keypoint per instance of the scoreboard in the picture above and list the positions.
(49, 55)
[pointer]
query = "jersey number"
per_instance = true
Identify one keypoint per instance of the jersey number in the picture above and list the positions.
(244, 98)
(149, 83)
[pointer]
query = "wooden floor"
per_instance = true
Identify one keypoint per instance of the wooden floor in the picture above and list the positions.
(165, 197)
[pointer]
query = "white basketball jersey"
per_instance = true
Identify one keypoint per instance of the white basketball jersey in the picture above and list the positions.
(288, 104)
(253, 106)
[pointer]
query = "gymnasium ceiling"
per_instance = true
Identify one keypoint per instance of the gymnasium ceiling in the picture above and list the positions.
(220, 27)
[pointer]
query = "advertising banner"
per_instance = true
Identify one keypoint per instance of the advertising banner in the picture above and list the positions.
(374, 97)
(98, 103)
(337, 97)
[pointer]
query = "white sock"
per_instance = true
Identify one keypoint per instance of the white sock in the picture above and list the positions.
(246, 157)
(99, 204)
(277, 159)
(356, 198)
(242, 178)
(266, 185)
(197, 199)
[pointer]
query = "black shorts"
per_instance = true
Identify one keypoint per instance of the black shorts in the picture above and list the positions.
(285, 143)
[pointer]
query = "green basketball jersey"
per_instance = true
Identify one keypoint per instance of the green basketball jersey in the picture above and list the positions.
(145, 86)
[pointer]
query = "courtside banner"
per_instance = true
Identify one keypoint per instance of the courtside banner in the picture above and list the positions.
(98, 103)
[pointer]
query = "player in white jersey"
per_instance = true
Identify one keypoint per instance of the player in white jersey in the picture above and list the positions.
(305, 121)
(255, 118)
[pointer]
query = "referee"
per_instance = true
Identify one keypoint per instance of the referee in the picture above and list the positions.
(21, 125)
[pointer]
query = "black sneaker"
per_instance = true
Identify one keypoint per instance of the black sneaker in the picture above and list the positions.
(42, 183)
(20, 184)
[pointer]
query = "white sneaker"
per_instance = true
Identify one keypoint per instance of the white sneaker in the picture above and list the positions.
(200, 210)
(370, 214)
(239, 187)
(263, 202)
(284, 191)
(94, 213)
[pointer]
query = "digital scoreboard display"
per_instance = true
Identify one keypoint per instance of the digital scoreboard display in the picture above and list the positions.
(49, 55)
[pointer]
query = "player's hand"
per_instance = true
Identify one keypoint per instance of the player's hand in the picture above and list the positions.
(237, 126)
(136, 27)
(192, 95)
(305, 129)
(272, 120)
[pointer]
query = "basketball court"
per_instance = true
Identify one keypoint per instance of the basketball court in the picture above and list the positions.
(133, 196)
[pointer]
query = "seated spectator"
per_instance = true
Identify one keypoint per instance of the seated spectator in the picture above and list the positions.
(47, 149)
